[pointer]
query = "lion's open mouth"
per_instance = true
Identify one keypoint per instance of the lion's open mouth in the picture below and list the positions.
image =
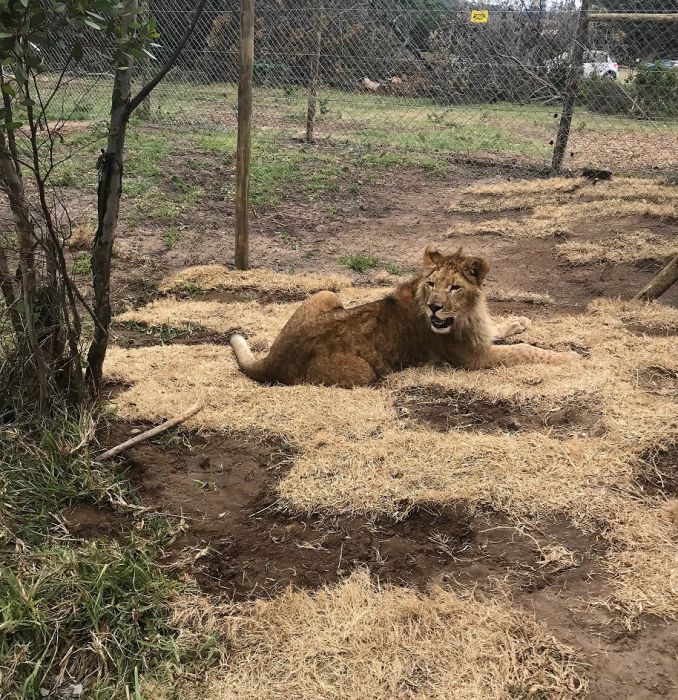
(439, 323)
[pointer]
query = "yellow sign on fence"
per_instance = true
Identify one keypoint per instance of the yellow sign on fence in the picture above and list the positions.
(480, 16)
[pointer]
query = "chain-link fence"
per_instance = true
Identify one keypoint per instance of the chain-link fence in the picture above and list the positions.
(428, 75)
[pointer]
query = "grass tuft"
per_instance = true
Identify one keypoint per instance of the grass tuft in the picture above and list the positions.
(359, 262)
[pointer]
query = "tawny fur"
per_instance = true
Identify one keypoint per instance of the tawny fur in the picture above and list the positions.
(439, 317)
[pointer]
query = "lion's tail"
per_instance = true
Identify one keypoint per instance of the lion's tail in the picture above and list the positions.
(253, 368)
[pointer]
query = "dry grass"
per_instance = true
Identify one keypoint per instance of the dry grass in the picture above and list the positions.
(82, 235)
(557, 206)
(357, 641)
(208, 277)
(626, 247)
(357, 454)
(536, 298)
(516, 195)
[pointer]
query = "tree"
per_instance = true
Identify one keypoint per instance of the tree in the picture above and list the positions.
(41, 353)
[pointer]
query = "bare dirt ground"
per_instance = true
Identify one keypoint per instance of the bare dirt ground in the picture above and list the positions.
(393, 217)
(237, 544)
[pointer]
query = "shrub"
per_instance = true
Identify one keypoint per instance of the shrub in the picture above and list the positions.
(606, 96)
(656, 91)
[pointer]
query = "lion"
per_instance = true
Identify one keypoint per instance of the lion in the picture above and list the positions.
(440, 317)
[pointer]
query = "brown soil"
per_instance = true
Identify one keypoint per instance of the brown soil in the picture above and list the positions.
(658, 474)
(659, 332)
(394, 215)
(659, 379)
(238, 544)
(140, 336)
(445, 410)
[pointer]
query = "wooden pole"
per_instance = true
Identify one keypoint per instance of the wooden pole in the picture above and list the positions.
(242, 187)
(313, 75)
(662, 281)
(570, 94)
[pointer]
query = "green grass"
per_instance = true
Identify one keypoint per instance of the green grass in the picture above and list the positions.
(360, 262)
(82, 264)
(171, 237)
(393, 269)
(95, 612)
(97, 607)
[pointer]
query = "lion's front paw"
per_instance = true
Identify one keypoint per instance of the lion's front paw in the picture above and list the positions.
(522, 323)
(515, 325)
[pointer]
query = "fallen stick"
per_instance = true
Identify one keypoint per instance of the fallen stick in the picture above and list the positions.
(664, 279)
(198, 406)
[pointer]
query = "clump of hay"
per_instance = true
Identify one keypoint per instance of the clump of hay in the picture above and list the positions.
(552, 207)
(357, 640)
(220, 277)
(81, 236)
(625, 247)
(516, 195)
(548, 220)
(536, 298)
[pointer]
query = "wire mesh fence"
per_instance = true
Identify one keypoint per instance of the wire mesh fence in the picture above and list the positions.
(426, 76)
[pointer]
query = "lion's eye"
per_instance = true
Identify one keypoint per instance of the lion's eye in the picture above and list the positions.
(431, 283)
(453, 287)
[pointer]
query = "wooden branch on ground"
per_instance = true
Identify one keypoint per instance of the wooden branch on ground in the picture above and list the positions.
(662, 281)
(114, 451)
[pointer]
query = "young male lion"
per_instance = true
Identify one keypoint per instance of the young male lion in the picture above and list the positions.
(438, 317)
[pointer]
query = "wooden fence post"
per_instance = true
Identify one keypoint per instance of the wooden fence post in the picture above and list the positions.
(313, 74)
(244, 149)
(570, 94)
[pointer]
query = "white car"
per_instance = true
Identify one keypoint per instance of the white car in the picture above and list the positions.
(596, 63)
(600, 64)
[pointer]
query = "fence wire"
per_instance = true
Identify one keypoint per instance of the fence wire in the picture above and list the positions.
(433, 75)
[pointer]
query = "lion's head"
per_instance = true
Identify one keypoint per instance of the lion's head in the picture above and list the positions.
(450, 287)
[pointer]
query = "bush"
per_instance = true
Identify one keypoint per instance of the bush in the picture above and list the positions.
(656, 91)
(607, 96)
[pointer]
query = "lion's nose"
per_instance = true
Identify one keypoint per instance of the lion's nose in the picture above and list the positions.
(435, 307)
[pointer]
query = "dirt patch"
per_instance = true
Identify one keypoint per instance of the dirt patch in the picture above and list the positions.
(92, 522)
(237, 542)
(647, 329)
(658, 472)
(443, 410)
(659, 380)
(226, 296)
(139, 335)
(238, 545)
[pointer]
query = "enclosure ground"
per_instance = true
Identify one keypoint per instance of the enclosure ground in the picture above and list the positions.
(539, 491)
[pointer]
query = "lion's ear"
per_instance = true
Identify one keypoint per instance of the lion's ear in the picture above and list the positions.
(476, 269)
(432, 257)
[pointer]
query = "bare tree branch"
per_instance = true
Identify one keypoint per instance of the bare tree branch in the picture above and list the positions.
(146, 89)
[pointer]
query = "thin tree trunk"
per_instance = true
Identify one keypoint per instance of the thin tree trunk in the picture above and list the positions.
(27, 243)
(109, 191)
(9, 295)
(660, 283)
(110, 186)
(570, 94)
(313, 77)
(242, 195)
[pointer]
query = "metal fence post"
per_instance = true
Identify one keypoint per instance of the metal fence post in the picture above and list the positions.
(570, 94)
(144, 110)
(242, 191)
